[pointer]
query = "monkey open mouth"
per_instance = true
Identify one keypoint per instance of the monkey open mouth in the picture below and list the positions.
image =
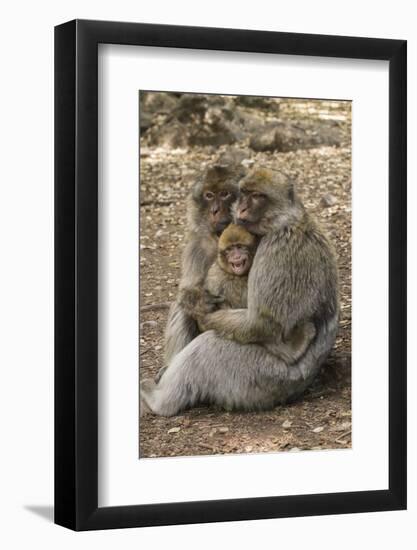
(239, 267)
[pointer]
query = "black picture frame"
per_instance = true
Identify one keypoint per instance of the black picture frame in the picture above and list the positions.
(76, 272)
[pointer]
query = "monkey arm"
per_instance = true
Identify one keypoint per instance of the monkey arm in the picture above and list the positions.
(295, 344)
(198, 255)
(233, 324)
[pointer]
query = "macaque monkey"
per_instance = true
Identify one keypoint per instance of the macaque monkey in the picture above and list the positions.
(293, 282)
(227, 278)
(209, 212)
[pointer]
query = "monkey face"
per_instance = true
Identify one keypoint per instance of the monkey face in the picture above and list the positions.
(217, 204)
(215, 193)
(238, 259)
(237, 248)
(251, 208)
(266, 199)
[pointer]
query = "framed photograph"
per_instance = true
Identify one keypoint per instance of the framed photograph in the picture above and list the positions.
(230, 275)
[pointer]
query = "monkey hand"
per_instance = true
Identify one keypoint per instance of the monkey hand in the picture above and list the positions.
(209, 321)
(207, 306)
(189, 298)
(210, 302)
(198, 302)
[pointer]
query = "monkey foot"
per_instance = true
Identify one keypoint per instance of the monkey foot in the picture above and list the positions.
(146, 388)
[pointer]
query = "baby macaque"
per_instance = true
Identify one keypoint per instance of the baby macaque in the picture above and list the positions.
(227, 278)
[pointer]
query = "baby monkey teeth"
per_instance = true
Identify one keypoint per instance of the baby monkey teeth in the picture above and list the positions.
(238, 266)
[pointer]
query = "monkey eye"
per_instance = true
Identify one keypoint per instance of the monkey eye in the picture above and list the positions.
(209, 195)
(224, 194)
(257, 195)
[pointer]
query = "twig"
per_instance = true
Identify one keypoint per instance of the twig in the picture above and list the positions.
(209, 447)
(154, 307)
(338, 440)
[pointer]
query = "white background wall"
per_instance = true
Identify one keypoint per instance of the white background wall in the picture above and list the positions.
(26, 286)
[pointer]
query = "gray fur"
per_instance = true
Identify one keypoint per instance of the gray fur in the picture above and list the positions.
(235, 376)
(199, 254)
(181, 329)
(293, 281)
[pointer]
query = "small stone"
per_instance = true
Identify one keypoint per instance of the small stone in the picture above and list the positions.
(294, 450)
(223, 430)
(247, 162)
(248, 449)
(148, 324)
(174, 430)
(318, 430)
(328, 200)
(287, 424)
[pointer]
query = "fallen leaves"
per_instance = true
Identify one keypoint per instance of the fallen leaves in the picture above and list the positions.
(174, 430)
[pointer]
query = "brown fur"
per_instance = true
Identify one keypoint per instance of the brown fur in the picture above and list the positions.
(220, 281)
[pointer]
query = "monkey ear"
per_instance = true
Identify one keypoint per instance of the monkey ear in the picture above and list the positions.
(197, 190)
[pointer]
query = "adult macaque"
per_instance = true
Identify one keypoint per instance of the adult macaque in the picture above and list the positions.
(227, 282)
(293, 281)
(209, 212)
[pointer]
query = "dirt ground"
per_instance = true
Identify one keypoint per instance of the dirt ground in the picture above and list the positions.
(321, 419)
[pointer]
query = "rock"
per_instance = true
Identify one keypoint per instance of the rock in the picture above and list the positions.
(148, 324)
(161, 102)
(223, 430)
(258, 102)
(294, 450)
(247, 162)
(179, 121)
(263, 141)
(287, 136)
(174, 430)
(287, 424)
(145, 122)
(318, 430)
(343, 427)
(328, 200)
(232, 157)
